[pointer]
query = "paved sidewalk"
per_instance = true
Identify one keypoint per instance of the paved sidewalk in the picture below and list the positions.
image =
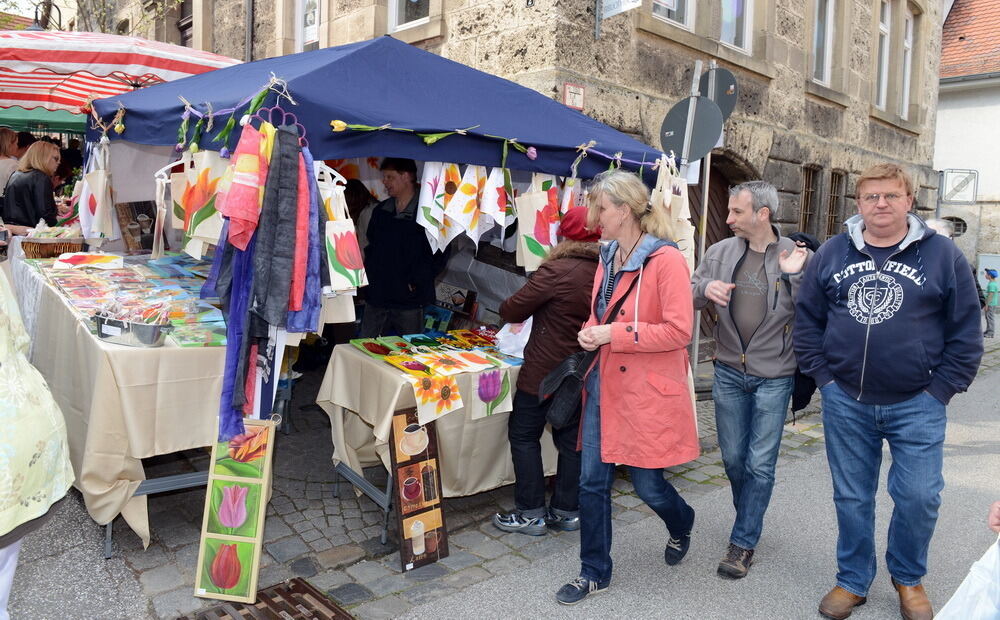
(332, 540)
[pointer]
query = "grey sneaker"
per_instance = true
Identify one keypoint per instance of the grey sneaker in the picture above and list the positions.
(562, 522)
(515, 522)
(737, 562)
(578, 589)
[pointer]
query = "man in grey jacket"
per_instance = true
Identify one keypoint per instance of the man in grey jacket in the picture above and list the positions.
(751, 280)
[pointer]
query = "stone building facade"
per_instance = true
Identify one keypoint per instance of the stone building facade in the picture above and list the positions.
(826, 87)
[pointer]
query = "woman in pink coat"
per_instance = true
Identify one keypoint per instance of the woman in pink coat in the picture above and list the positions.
(637, 407)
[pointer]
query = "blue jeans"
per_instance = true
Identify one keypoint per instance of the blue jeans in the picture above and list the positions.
(854, 433)
(596, 478)
(749, 416)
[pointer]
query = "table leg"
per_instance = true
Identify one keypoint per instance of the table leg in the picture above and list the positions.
(388, 508)
(107, 539)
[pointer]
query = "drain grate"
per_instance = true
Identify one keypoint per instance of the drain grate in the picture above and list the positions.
(294, 599)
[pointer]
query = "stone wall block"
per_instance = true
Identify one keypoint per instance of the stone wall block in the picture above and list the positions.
(785, 176)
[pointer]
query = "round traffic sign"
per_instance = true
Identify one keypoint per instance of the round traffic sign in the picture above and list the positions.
(705, 130)
(725, 91)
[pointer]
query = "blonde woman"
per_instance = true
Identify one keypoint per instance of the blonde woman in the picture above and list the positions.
(29, 195)
(637, 408)
(8, 163)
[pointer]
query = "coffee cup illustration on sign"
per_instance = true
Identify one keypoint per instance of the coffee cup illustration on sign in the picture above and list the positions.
(431, 541)
(414, 440)
(411, 489)
(417, 537)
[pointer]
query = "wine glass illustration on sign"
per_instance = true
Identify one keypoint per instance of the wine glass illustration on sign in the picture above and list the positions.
(414, 440)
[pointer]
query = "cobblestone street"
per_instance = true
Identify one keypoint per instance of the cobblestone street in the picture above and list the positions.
(331, 538)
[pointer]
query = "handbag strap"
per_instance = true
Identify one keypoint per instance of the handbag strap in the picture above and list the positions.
(589, 357)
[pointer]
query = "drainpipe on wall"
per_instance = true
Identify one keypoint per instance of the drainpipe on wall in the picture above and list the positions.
(248, 44)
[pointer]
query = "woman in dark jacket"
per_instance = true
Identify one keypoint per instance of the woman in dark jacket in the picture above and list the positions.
(558, 297)
(29, 194)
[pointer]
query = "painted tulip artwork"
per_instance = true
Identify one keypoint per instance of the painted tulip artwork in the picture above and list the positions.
(233, 511)
(344, 258)
(227, 569)
(243, 455)
(234, 508)
(494, 391)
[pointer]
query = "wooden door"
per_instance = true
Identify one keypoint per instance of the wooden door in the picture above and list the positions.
(718, 205)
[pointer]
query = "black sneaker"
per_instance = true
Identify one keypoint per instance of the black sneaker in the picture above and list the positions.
(737, 562)
(561, 522)
(515, 522)
(578, 589)
(676, 549)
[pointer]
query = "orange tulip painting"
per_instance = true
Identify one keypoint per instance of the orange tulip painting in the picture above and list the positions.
(198, 196)
(243, 455)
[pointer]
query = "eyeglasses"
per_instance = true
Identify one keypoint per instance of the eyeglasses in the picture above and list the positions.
(892, 199)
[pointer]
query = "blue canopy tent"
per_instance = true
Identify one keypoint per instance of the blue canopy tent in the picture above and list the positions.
(379, 82)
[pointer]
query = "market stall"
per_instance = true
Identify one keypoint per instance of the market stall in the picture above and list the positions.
(383, 98)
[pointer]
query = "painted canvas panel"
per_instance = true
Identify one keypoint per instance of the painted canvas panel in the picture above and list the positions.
(417, 490)
(233, 508)
(493, 394)
(244, 455)
(227, 570)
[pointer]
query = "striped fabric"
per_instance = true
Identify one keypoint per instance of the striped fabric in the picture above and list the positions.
(60, 70)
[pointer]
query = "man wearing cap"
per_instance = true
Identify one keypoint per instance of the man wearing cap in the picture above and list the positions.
(751, 280)
(557, 296)
(992, 300)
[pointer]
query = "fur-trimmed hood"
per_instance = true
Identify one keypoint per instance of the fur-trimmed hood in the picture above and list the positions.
(586, 250)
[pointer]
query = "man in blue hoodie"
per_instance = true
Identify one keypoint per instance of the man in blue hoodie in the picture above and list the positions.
(886, 322)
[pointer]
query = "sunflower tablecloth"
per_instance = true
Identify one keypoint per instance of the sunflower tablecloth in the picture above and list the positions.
(360, 394)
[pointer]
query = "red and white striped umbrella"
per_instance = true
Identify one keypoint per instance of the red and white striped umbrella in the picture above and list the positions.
(61, 70)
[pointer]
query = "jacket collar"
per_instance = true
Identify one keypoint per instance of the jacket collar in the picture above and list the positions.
(647, 245)
(917, 230)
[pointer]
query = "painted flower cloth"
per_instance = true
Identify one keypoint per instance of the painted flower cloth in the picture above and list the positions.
(202, 218)
(430, 203)
(241, 203)
(449, 228)
(301, 238)
(35, 470)
(463, 209)
(436, 396)
(493, 394)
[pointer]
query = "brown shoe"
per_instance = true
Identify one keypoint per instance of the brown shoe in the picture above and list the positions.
(839, 603)
(913, 602)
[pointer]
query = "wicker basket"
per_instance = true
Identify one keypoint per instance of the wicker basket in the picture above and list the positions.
(50, 248)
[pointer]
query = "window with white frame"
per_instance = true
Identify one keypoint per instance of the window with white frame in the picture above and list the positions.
(679, 12)
(737, 19)
(823, 41)
(882, 69)
(407, 13)
(306, 25)
(904, 95)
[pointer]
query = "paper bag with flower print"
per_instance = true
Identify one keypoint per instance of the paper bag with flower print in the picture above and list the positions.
(534, 233)
(493, 394)
(343, 253)
(430, 203)
(436, 396)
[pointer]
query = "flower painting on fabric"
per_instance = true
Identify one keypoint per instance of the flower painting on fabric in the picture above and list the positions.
(534, 214)
(243, 455)
(227, 569)
(435, 397)
(234, 507)
(430, 203)
(494, 394)
(343, 255)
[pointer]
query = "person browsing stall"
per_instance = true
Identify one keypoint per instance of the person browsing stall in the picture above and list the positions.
(29, 195)
(398, 259)
(751, 279)
(886, 322)
(637, 408)
(557, 297)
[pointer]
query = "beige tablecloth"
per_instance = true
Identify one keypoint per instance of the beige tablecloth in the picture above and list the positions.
(123, 404)
(360, 394)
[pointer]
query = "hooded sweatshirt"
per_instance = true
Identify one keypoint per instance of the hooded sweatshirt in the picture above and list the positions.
(886, 333)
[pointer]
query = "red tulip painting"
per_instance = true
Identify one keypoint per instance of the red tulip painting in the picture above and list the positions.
(226, 568)
(344, 256)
